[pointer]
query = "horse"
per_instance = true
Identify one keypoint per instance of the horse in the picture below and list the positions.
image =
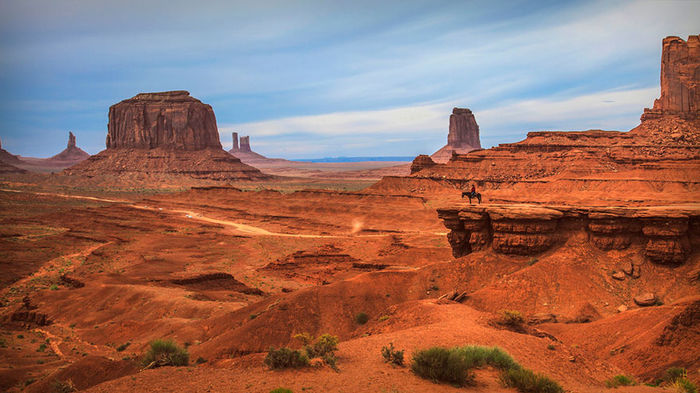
(471, 195)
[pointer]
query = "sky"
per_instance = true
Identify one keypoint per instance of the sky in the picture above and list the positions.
(315, 78)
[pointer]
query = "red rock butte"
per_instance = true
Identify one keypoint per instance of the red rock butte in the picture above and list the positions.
(171, 119)
(165, 133)
(463, 136)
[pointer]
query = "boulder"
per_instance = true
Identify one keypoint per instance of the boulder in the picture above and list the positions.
(645, 299)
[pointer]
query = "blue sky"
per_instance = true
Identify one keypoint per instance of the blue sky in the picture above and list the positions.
(320, 78)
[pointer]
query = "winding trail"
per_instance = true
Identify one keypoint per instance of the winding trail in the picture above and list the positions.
(243, 228)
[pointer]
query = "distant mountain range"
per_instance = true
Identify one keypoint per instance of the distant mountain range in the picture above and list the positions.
(357, 159)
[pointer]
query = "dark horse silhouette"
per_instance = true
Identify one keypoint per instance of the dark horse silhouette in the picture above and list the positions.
(471, 195)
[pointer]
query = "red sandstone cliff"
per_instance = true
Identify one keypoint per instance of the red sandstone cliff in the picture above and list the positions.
(680, 80)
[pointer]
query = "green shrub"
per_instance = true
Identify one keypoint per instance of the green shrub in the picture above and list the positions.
(200, 360)
(42, 347)
(318, 348)
(123, 346)
(441, 365)
(361, 318)
(281, 390)
(286, 358)
(478, 356)
(165, 353)
(53, 287)
(620, 380)
(392, 356)
(526, 381)
(684, 385)
(675, 373)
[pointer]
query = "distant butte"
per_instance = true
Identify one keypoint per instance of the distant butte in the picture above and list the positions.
(72, 152)
(165, 133)
(463, 136)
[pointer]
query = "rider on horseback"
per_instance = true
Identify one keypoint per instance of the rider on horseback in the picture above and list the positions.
(472, 194)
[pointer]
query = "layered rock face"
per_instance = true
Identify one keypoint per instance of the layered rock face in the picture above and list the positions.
(668, 235)
(680, 80)
(170, 120)
(463, 136)
(165, 133)
(464, 132)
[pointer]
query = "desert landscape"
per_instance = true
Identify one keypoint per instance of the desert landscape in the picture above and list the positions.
(167, 263)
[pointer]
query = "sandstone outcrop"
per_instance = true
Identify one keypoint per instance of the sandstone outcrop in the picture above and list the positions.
(662, 232)
(463, 135)
(421, 162)
(680, 80)
(168, 133)
(171, 120)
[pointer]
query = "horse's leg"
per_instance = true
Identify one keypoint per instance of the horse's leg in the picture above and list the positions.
(470, 199)
(479, 197)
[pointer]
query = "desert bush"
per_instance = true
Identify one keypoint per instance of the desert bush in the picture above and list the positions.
(620, 380)
(675, 373)
(684, 385)
(281, 390)
(510, 318)
(441, 365)
(165, 353)
(323, 345)
(361, 318)
(527, 381)
(63, 386)
(478, 356)
(286, 358)
(123, 346)
(392, 356)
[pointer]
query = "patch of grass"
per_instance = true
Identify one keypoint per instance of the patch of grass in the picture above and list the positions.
(551, 347)
(455, 366)
(63, 386)
(383, 318)
(123, 346)
(620, 380)
(53, 287)
(286, 358)
(441, 365)
(165, 353)
(361, 318)
(200, 360)
(281, 390)
(527, 381)
(392, 356)
(41, 348)
(531, 261)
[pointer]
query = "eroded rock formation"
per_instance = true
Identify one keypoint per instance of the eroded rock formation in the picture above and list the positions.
(165, 133)
(666, 234)
(463, 136)
(72, 153)
(170, 119)
(421, 162)
(680, 80)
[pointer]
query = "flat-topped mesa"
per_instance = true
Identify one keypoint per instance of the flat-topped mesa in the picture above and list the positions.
(680, 80)
(464, 132)
(171, 120)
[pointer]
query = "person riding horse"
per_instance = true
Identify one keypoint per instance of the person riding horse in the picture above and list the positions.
(472, 194)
